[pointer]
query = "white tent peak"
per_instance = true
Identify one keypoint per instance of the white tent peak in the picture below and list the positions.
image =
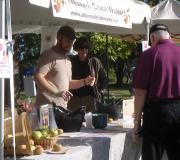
(167, 12)
(167, 9)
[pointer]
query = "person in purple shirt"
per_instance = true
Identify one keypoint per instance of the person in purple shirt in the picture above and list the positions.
(156, 85)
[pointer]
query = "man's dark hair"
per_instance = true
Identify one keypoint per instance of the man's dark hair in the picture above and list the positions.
(81, 43)
(67, 31)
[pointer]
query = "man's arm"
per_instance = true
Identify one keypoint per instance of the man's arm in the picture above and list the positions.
(45, 85)
(75, 84)
(102, 79)
(139, 100)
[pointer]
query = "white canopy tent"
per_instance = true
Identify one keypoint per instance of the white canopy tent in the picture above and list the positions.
(168, 12)
(27, 18)
(31, 18)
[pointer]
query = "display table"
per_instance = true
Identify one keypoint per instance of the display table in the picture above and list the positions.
(112, 143)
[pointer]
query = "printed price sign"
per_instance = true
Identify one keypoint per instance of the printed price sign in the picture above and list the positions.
(4, 60)
(44, 116)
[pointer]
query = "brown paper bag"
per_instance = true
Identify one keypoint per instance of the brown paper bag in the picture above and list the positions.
(22, 135)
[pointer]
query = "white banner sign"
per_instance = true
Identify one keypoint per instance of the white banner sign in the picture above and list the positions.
(4, 60)
(105, 12)
(42, 3)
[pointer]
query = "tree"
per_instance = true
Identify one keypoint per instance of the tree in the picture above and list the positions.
(117, 54)
(26, 53)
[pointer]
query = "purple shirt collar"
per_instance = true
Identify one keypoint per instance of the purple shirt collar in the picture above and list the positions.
(165, 41)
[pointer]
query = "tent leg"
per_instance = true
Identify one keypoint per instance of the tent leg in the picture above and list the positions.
(107, 63)
(2, 119)
(2, 35)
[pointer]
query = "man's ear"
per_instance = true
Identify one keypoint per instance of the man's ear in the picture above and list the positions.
(152, 38)
(59, 37)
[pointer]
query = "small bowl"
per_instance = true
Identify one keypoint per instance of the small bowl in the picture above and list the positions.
(99, 120)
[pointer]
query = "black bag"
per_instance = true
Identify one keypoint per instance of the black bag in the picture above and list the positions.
(67, 120)
(113, 108)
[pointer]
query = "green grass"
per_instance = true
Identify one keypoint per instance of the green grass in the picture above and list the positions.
(116, 91)
(119, 92)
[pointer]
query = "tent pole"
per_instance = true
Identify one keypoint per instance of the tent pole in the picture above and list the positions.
(10, 54)
(2, 35)
(146, 25)
(107, 63)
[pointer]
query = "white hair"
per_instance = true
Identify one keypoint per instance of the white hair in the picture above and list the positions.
(162, 34)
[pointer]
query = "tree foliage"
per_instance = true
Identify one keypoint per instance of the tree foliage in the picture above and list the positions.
(116, 48)
(113, 52)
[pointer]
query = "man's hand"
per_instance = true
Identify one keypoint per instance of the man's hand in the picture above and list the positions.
(89, 81)
(66, 95)
(136, 132)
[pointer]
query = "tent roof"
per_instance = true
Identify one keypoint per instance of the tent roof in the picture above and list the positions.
(31, 18)
(167, 12)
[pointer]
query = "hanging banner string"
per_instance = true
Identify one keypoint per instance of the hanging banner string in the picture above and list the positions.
(10, 54)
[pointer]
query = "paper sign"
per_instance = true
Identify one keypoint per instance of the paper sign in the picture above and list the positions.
(44, 116)
(94, 11)
(42, 3)
(4, 60)
(2, 49)
(145, 45)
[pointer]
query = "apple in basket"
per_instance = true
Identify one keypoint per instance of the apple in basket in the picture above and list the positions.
(44, 133)
(36, 134)
(53, 132)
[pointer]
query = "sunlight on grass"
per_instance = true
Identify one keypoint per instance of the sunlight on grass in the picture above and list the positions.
(119, 92)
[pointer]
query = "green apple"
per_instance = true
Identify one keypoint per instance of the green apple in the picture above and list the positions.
(44, 133)
(53, 132)
(36, 134)
(60, 131)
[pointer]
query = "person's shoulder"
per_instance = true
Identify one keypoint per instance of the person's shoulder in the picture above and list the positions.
(73, 57)
(47, 52)
(94, 59)
(47, 56)
(150, 51)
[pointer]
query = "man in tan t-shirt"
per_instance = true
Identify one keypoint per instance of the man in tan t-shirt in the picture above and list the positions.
(53, 73)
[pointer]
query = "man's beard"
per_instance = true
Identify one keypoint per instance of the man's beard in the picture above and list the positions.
(64, 49)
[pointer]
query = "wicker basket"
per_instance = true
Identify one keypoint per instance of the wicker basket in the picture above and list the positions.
(46, 143)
